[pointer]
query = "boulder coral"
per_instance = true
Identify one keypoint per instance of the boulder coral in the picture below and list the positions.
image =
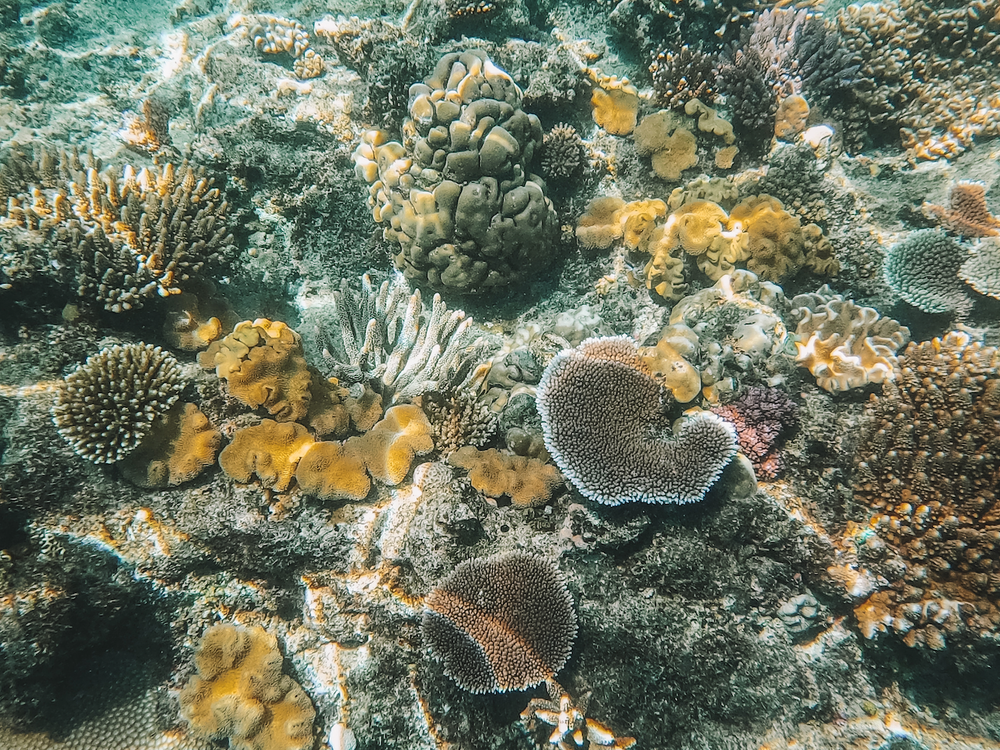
(239, 693)
(458, 200)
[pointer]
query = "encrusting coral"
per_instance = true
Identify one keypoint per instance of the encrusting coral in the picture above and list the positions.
(927, 468)
(118, 239)
(107, 406)
(527, 481)
(843, 344)
(603, 424)
(458, 199)
(239, 693)
(501, 623)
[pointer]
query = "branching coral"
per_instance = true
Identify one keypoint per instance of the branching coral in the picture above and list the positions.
(386, 335)
(603, 424)
(927, 467)
(563, 154)
(108, 405)
(501, 623)
(844, 345)
(240, 693)
(458, 200)
(120, 239)
(683, 75)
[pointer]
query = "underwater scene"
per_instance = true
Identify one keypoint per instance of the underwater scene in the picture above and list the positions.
(499, 375)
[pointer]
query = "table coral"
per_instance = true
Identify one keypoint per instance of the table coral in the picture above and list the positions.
(923, 270)
(501, 623)
(240, 693)
(182, 445)
(982, 270)
(600, 409)
(927, 467)
(121, 238)
(527, 481)
(108, 405)
(458, 200)
(843, 344)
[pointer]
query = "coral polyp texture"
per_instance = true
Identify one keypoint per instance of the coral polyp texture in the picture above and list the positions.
(106, 406)
(240, 694)
(910, 48)
(762, 417)
(458, 200)
(923, 270)
(967, 214)
(120, 238)
(602, 419)
(927, 468)
(501, 623)
(679, 77)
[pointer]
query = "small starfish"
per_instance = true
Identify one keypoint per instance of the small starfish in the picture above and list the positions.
(573, 730)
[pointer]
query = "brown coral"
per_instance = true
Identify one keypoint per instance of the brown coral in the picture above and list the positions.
(967, 213)
(390, 446)
(240, 693)
(774, 237)
(615, 105)
(527, 481)
(180, 447)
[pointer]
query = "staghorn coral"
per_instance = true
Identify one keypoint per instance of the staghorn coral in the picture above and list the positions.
(458, 200)
(762, 416)
(923, 270)
(270, 451)
(119, 240)
(911, 49)
(239, 693)
(603, 424)
(844, 345)
(386, 335)
(527, 481)
(501, 623)
(107, 406)
(681, 76)
(795, 177)
(967, 214)
(263, 364)
(927, 468)
(183, 443)
(563, 154)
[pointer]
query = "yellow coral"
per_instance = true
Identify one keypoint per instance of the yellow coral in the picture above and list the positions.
(653, 132)
(791, 117)
(774, 237)
(638, 218)
(616, 105)
(334, 471)
(527, 481)
(263, 363)
(599, 228)
(678, 375)
(680, 152)
(197, 317)
(179, 449)
(270, 451)
(710, 122)
(240, 693)
(665, 270)
(390, 446)
(329, 412)
(725, 157)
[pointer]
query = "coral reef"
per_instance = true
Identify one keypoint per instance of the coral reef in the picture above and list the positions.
(982, 269)
(602, 419)
(762, 417)
(501, 623)
(269, 451)
(844, 345)
(459, 201)
(615, 105)
(923, 270)
(563, 154)
(967, 214)
(182, 444)
(527, 481)
(118, 239)
(681, 76)
(927, 468)
(106, 406)
(240, 693)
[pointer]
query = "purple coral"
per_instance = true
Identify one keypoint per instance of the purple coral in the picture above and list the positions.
(761, 416)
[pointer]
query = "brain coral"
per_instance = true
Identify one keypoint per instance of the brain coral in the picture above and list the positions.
(107, 405)
(928, 468)
(602, 419)
(923, 270)
(501, 623)
(240, 693)
(844, 345)
(458, 200)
